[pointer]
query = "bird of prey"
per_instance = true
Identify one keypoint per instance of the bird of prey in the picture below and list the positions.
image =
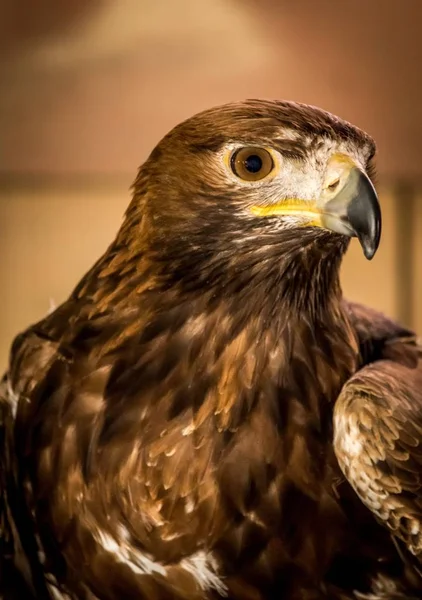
(206, 416)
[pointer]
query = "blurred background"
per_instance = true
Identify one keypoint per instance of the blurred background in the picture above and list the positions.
(88, 87)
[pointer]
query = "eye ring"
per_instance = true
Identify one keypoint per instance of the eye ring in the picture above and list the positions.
(251, 163)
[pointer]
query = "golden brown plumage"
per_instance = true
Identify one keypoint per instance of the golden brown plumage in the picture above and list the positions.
(378, 433)
(167, 431)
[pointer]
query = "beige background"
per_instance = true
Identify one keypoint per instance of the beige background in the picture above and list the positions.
(87, 87)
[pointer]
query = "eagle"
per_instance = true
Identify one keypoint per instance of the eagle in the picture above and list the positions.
(206, 416)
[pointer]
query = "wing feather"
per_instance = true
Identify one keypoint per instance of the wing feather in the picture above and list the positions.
(378, 443)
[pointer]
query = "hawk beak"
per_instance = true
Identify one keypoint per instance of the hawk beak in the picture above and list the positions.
(349, 204)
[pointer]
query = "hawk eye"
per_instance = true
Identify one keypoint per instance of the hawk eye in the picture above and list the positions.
(252, 164)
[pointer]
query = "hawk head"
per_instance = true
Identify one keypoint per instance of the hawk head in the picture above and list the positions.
(257, 187)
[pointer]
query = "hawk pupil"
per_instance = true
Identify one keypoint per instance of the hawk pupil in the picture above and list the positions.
(253, 163)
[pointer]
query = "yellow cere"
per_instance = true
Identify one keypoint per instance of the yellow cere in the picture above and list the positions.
(305, 209)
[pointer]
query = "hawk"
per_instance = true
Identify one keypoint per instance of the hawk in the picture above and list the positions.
(206, 416)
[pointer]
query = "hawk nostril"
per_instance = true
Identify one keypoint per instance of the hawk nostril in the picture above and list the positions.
(333, 185)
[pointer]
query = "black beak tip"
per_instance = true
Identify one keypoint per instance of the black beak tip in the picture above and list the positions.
(369, 237)
(369, 249)
(364, 215)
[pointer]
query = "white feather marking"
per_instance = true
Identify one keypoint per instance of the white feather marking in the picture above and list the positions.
(188, 430)
(373, 499)
(382, 587)
(189, 505)
(349, 445)
(414, 529)
(171, 536)
(203, 567)
(352, 440)
(123, 532)
(12, 398)
(57, 594)
(139, 562)
(51, 306)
